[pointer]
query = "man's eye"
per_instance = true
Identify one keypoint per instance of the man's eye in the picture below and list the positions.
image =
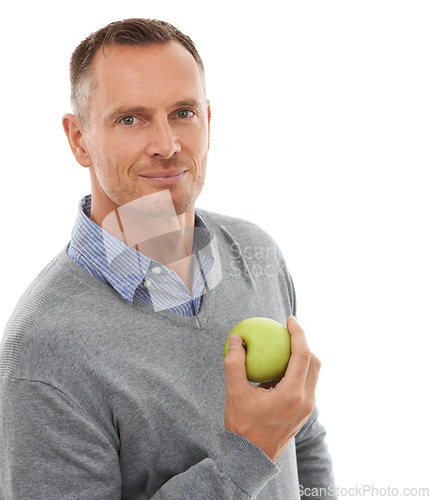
(128, 120)
(185, 113)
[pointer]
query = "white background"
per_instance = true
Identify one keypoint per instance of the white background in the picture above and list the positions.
(320, 134)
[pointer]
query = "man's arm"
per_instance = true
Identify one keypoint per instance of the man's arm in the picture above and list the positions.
(271, 418)
(313, 460)
(51, 449)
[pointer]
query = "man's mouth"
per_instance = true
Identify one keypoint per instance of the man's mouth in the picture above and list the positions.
(165, 177)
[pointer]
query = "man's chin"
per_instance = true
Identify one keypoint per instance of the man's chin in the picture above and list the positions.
(161, 204)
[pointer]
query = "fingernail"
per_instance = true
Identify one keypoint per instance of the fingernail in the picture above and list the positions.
(234, 341)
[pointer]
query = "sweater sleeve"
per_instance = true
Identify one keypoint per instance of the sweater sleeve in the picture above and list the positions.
(239, 472)
(50, 449)
(314, 462)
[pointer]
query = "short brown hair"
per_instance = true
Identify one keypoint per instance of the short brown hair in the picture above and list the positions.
(135, 31)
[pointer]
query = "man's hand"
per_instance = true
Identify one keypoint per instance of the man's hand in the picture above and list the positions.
(270, 418)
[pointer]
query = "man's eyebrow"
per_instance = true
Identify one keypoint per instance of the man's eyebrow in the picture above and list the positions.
(192, 103)
(142, 110)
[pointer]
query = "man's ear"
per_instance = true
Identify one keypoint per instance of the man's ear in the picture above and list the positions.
(209, 123)
(74, 130)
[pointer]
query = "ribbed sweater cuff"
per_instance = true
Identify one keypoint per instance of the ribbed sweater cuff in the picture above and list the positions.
(246, 464)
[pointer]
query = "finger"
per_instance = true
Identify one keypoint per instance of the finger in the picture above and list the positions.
(234, 363)
(296, 330)
(298, 365)
(312, 378)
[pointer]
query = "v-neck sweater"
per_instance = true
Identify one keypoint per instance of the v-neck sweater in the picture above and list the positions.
(105, 399)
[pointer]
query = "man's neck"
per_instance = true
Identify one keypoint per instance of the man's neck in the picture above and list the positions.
(167, 239)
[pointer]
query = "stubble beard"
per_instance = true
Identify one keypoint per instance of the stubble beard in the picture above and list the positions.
(161, 207)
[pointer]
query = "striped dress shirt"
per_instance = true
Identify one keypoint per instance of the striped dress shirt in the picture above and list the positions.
(135, 275)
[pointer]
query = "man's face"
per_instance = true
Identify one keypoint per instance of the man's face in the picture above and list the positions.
(148, 125)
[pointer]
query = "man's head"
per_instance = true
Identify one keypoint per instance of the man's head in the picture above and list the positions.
(141, 121)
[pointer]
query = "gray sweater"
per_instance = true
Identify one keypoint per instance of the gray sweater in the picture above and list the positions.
(102, 399)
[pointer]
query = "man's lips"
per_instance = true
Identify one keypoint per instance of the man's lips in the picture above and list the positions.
(164, 177)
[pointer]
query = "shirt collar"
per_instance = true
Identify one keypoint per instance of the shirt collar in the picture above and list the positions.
(122, 266)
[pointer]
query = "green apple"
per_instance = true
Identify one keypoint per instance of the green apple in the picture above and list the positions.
(267, 345)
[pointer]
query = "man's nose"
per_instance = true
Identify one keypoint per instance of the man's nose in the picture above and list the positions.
(161, 140)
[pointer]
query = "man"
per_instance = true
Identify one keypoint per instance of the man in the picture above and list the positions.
(111, 376)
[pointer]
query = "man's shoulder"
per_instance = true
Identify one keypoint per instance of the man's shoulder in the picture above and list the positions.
(55, 283)
(223, 219)
(54, 286)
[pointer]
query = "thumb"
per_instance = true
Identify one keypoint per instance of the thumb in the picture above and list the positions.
(234, 362)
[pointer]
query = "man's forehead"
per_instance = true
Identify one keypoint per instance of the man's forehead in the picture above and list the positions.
(148, 58)
(141, 70)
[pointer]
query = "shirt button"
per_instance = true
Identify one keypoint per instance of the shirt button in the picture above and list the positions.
(147, 283)
(156, 270)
